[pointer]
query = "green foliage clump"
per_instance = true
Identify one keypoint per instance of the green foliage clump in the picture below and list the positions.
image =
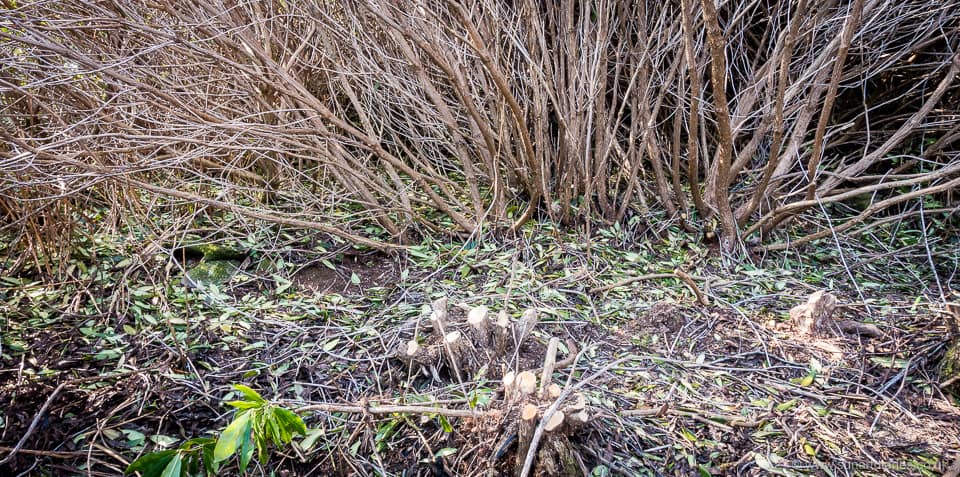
(256, 425)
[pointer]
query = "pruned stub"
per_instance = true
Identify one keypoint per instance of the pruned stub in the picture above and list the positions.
(481, 344)
(814, 318)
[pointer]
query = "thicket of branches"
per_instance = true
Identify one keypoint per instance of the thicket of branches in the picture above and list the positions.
(378, 121)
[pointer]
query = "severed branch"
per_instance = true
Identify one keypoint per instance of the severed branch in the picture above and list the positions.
(869, 212)
(549, 362)
(640, 278)
(688, 281)
(390, 409)
(720, 420)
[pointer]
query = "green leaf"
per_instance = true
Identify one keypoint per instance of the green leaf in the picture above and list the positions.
(197, 442)
(354, 278)
(260, 438)
(246, 452)
(890, 362)
(193, 461)
(815, 366)
(600, 471)
(312, 436)
(231, 437)
(162, 440)
(151, 464)
(273, 429)
(330, 344)
(787, 405)
(262, 454)
(355, 448)
(763, 463)
(173, 468)
(134, 437)
(291, 421)
(209, 464)
(282, 429)
(243, 404)
(420, 251)
(282, 284)
(250, 394)
(384, 432)
(445, 424)
(445, 452)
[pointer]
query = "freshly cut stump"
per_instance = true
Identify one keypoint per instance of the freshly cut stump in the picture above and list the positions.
(528, 423)
(814, 316)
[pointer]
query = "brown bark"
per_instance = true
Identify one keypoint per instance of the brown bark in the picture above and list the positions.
(718, 75)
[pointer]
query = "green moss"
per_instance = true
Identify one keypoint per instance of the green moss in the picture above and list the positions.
(216, 252)
(950, 367)
(212, 272)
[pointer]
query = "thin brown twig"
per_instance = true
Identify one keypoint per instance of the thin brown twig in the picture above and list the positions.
(391, 409)
(640, 278)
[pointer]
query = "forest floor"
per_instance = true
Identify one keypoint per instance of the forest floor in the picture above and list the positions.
(704, 375)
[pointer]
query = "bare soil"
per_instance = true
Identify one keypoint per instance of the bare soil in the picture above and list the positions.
(372, 271)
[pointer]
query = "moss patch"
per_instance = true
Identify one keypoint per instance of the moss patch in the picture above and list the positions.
(950, 367)
(216, 252)
(211, 272)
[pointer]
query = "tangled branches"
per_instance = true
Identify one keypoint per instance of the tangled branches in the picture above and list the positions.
(376, 121)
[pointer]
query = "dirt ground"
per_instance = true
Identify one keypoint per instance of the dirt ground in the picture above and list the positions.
(670, 387)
